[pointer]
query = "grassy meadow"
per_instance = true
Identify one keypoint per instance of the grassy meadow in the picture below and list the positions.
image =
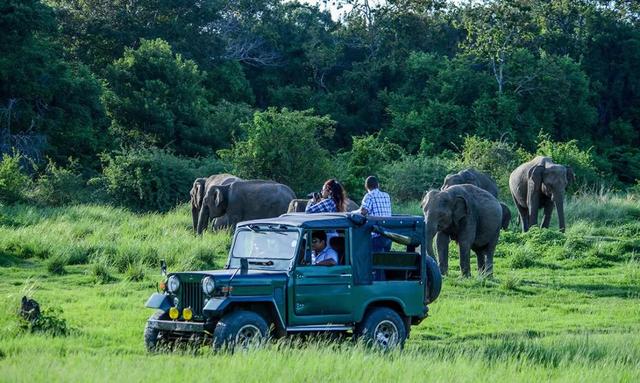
(561, 307)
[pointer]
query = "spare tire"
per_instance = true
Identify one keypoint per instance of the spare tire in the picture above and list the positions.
(434, 281)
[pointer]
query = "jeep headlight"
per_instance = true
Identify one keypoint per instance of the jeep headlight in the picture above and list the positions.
(208, 284)
(173, 284)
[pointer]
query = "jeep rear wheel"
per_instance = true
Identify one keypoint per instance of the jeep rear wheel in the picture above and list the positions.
(244, 329)
(382, 328)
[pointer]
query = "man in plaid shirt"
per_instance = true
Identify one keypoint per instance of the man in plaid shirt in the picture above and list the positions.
(376, 203)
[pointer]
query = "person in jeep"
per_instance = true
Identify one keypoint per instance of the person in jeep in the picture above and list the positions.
(322, 254)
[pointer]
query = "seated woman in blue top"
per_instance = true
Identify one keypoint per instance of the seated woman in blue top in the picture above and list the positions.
(332, 199)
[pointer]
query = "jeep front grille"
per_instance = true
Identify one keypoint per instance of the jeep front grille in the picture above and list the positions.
(192, 296)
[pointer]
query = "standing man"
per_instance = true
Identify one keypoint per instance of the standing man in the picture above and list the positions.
(376, 203)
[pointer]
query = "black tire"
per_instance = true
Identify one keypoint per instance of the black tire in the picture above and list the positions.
(434, 280)
(153, 336)
(383, 329)
(244, 329)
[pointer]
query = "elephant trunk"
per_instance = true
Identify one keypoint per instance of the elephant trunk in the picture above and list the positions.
(195, 214)
(559, 201)
(203, 220)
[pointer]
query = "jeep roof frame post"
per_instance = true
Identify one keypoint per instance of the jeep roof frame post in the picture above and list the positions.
(268, 289)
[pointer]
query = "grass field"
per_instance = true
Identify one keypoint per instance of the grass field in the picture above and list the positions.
(562, 307)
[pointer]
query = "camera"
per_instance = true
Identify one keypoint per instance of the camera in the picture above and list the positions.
(314, 195)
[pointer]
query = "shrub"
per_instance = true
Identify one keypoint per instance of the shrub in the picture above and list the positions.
(511, 282)
(134, 272)
(284, 146)
(569, 154)
(496, 158)
(59, 185)
(49, 322)
(56, 264)
(151, 179)
(101, 272)
(13, 180)
(408, 178)
(523, 257)
(368, 155)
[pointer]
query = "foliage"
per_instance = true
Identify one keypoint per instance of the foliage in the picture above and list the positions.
(408, 178)
(284, 146)
(135, 272)
(569, 154)
(56, 264)
(101, 272)
(496, 158)
(49, 322)
(368, 156)
(14, 183)
(152, 179)
(60, 185)
(157, 98)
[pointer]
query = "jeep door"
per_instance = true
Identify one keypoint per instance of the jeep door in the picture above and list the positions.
(321, 294)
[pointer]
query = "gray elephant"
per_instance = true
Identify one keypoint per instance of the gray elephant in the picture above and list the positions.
(540, 183)
(481, 180)
(197, 195)
(298, 205)
(473, 177)
(244, 200)
(470, 216)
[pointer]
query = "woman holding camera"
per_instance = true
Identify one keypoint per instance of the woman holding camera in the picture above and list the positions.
(331, 199)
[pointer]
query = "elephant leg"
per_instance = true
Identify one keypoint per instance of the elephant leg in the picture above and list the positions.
(442, 245)
(523, 213)
(487, 255)
(481, 261)
(465, 263)
(548, 210)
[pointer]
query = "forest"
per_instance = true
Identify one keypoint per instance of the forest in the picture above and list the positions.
(121, 101)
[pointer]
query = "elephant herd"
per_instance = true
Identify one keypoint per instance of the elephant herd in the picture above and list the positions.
(466, 209)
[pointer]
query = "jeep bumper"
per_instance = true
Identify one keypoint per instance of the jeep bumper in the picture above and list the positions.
(170, 325)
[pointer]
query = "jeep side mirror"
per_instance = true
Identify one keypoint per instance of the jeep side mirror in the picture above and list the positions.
(163, 267)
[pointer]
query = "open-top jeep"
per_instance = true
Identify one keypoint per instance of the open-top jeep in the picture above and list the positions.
(270, 286)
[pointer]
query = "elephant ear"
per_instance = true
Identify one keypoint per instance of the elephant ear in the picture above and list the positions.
(460, 209)
(198, 195)
(571, 177)
(424, 204)
(535, 177)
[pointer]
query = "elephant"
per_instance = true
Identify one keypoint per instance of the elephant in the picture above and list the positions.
(473, 177)
(197, 195)
(540, 183)
(470, 216)
(299, 204)
(244, 200)
(481, 180)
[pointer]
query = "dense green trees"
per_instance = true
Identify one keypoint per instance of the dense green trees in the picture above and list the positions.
(397, 82)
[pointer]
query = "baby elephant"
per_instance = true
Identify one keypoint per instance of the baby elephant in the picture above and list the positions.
(470, 216)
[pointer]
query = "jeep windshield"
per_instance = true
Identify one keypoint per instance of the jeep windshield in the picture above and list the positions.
(265, 246)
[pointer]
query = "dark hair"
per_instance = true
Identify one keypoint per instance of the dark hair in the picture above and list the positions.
(371, 183)
(320, 234)
(338, 194)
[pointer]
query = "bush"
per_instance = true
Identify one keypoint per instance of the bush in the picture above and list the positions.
(49, 322)
(134, 272)
(368, 155)
(101, 272)
(151, 179)
(284, 146)
(56, 264)
(13, 180)
(496, 158)
(523, 257)
(408, 178)
(59, 185)
(569, 154)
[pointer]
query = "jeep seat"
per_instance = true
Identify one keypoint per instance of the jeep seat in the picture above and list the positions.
(337, 244)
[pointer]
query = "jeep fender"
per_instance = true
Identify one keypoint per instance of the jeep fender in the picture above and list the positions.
(158, 301)
(216, 307)
(390, 302)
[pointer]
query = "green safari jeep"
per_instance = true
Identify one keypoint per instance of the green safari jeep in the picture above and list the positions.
(271, 286)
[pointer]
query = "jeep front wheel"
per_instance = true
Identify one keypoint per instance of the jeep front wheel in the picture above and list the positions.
(153, 336)
(382, 328)
(244, 329)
